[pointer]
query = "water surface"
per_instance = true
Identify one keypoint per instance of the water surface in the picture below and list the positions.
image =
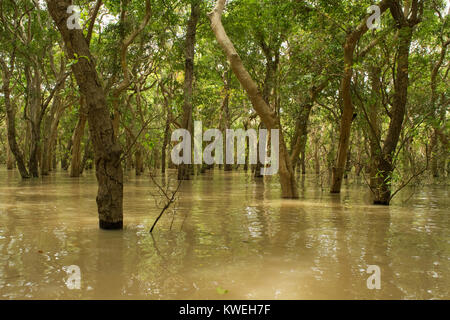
(229, 233)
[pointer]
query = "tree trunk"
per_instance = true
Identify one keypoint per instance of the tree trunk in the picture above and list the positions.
(51, 129)
(316, 158)
(268, 116)
(165, 144)
(374, 124)
(75, 169)
(86, 155)
(9, 158)
(34, 107)
(65, 154)
(348, 109)
(247, 149)
(139, 161)
(434, 146)
(106, 148)
(11, 119)
(259, 165)
(385, 166)
(434, 98)
(184, 170)
(226, 77)
(303, 159)
(301, 132)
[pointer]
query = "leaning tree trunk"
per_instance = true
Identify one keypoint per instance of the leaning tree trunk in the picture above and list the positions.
(184, 170)
(268, 116)
(106, 148)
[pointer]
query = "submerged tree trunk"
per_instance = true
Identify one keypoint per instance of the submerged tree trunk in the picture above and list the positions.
(9, 158)
(348, 108)
(65, 152)
(106, 148)
(139, 161)
(11, 118)
(301, 132)
(165, 144)
(268, 116)
(374, 124)
(435, 106)
(34, 116)
(303, 157)
(51, 129)
(226, 77)
(184, 170)
(259, 165)
(166, 139)
(75, 166)
(316, 159)
(86, 155)
(385, 162)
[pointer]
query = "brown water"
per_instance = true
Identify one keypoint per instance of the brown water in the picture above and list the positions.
(230, 233)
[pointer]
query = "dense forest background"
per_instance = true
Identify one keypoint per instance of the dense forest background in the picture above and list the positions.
(348, 99)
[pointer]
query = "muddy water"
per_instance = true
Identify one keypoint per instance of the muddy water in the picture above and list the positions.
(231, 238)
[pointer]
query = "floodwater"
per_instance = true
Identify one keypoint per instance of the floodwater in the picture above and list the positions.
(230, 238)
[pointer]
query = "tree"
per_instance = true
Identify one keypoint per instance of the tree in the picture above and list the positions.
(107, 151)
(267, 114)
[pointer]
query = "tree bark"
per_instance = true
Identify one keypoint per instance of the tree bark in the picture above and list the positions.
(106, 148)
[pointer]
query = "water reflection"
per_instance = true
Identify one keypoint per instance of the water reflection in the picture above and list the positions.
(229, 232)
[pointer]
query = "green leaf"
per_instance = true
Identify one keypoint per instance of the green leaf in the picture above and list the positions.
(221, 290)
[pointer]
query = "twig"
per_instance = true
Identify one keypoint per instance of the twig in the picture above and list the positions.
(170, 200)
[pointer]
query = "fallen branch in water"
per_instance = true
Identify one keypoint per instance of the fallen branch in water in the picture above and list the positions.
(169, 198)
